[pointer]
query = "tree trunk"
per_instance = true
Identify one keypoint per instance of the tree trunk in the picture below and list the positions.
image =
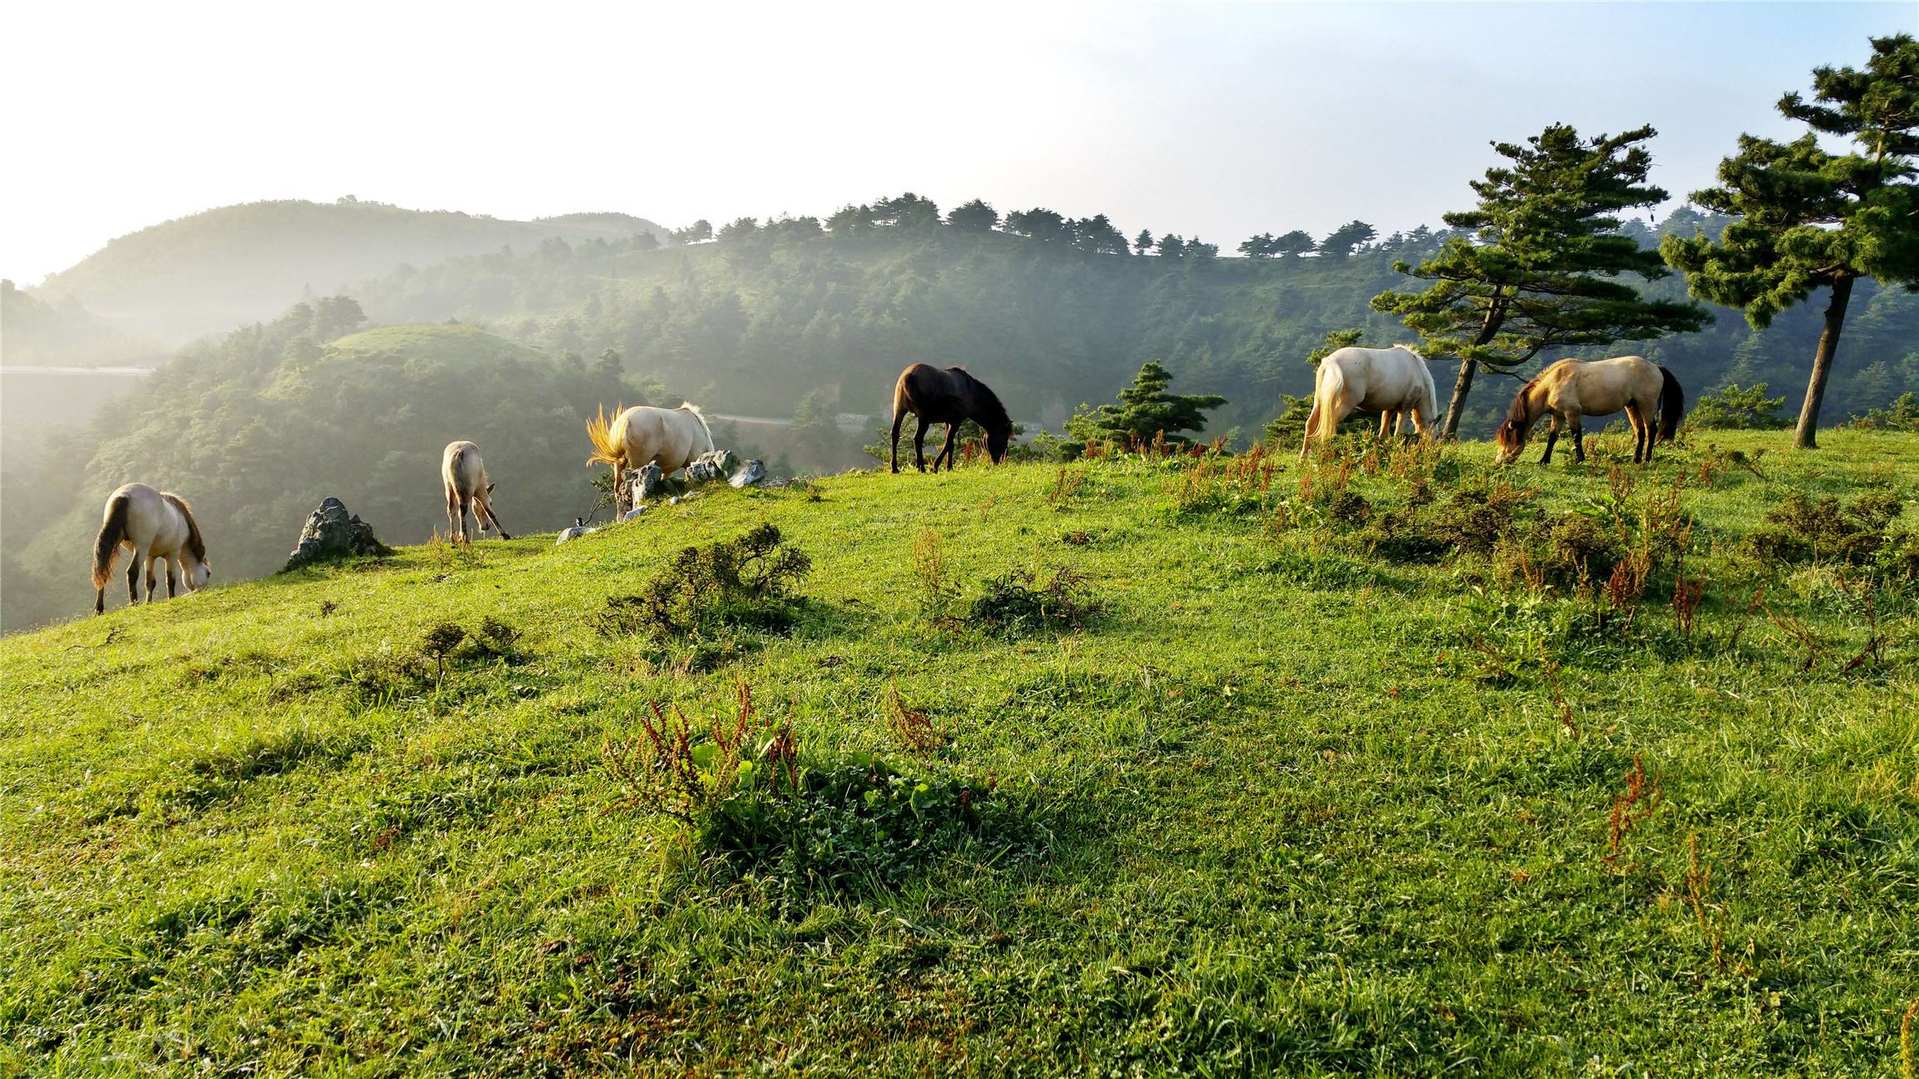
(1488, 329)
(1806, 436)
(1461, 386)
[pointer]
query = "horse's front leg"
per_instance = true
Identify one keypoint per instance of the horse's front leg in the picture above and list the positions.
(1385, 425)
(1552, 436)
(919, 444)
(898, 418)
(153, 580)
(495, 518)
(172, 576)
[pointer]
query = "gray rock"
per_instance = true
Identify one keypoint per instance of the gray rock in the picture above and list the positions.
(711, 466)
(572, 533)
(632, 513)
(333, 533)
(649, 482)
(751, 475)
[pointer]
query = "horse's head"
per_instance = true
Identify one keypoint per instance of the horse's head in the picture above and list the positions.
(997, 437)
(1512, 434)
(1511, 438)
(198, 573)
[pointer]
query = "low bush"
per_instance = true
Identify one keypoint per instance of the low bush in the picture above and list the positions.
(707, 592)
(1802, 529)
(1020, 603)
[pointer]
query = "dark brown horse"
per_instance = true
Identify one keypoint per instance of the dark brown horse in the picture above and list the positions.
(950, 397)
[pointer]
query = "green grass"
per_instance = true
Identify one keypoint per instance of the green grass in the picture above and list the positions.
(1279, 806)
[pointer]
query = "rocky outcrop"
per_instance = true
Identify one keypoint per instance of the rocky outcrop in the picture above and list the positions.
(332, 533)
(752, 474)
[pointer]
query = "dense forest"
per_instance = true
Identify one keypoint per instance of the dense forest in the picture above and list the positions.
(793, 318)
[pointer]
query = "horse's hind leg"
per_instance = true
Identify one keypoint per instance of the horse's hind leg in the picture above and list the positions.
(919, 444)
(1312, 423)
(452, 521)
(946, 451)
(899, 417)
(133, 576)
(466, 506)
(153, 580)
(1579, 442)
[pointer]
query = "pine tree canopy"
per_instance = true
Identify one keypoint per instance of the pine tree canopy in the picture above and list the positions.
(1805, 217)
(1540, 270)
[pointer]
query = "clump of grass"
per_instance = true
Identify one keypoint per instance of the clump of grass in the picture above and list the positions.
(938, 594)
(1020, 603)
(750, 804)
(1218, 483)
(708, 593)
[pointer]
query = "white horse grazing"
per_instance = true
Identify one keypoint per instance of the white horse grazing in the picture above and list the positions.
(464, 475)
(1389, 381)
(156, 525)
(670, 437)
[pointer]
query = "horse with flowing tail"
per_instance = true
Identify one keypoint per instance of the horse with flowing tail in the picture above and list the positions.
(642, 435)
(950, 397)
(467, 487)
(1390, 381)
(157, 526)
(1570, 390)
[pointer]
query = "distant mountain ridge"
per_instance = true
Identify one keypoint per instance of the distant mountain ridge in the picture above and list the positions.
(210, 271)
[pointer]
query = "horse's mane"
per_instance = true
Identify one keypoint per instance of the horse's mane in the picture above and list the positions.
(1517, 415)
(688, 406)
(1416, 353)
(196, 544)
(992, 412)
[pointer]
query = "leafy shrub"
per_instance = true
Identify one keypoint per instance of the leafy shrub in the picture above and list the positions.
(1803, 529)
(1018, 603)
(1733, 408)
(1566, 551)
(1901, 415)
(745, 582)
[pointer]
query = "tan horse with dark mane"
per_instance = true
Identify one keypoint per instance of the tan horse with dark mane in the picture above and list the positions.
(1570, 390)
(156, 526)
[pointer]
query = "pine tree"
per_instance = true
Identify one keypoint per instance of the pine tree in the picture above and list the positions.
(1146, 410)
(1540, 271)
(1806, 218)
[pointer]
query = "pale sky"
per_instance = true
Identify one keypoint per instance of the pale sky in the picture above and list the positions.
(1219, 120)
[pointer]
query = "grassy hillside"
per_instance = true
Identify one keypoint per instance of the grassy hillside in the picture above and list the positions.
(1346, 773)
(213, 270)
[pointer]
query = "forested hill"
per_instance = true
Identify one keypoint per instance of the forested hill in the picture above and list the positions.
(764, 316)
(211, 271)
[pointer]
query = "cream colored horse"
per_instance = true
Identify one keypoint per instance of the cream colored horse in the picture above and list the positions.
(1573, 389)
(464, 476)
(157, 526)
(641, 435)
(1389, 381)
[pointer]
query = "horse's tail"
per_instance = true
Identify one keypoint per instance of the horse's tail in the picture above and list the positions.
(106, 546)
(1331, 382)
(599, 432)
(1672, 405)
